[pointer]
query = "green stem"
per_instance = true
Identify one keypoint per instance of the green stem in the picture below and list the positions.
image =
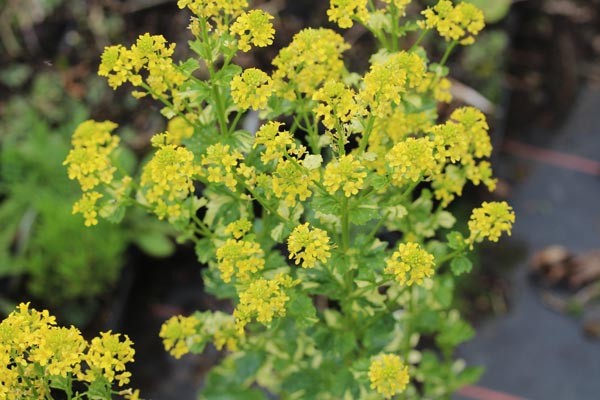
(448, 51)
(394, 15)
(345, 225)
(235, 122)
(419, 40)
(204, 229)
(365, 137)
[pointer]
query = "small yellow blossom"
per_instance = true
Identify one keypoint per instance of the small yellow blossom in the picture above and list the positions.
(178, 334)
(263, 300)
(347, 173)
(343, 11)
(219, 164)
(87, 206)
(457, 23)
(313, 57)
(239, 228)
(178, 130)
(107, 356)
(410, 264)
(400, 5)
(411, 160)
(307, 246)
(239, 258)
(167, 179)
(388, 375)
(251, 89)
(275, 141)
(89, 161)
(336, 104)
(388, 79)
(253, 27)
(489, 221)
(291, 180)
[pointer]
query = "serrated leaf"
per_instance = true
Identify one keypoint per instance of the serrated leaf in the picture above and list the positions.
(456, 241)
(301, 308)
(460, 265)
(205, 250)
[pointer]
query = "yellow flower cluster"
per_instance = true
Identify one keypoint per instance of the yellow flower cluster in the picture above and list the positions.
(461, 141)
(389, 79)
(489, 221)
(182, 335)
(253, 27)
(263, 300)
(346, 173)
(411, 160)
(313, 57)
(457, 23)
(150, 54)
(87, 206)
(276, 142)
(218, 164)
(291, 180)
(167, 179)
(239, 258)
(343, 11)
(239, 228)
(388, 375)
(89, 161)
(399, 4)
(178, 130)
(179, 333)
(410, 264)
(34, 352)
(251, 89)
(307, 246)
(336, 104)
(213, 8)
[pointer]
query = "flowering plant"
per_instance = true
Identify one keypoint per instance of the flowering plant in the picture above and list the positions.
(328, 226)
(41, 359)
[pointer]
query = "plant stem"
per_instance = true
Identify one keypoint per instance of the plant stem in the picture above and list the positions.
(365, 137)
(448, 51)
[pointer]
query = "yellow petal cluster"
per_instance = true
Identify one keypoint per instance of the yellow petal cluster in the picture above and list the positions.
(308, 246)
(336, 104)
(411, 160)
(276, 142)
(263, 300)
(458, 23)
(253, 28)
(239, 258)
(251, 89)
(346, 173)
(388, 375)
(313, 57)
(490, 221)
(219, 164)
(343, 12)
(410, 264)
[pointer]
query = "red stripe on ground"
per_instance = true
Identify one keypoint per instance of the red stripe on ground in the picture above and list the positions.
(559, 159)
(481, 393)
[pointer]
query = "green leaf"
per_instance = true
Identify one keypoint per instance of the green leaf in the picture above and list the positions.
(301, 308)
(189, 66)
(446, 219)
(205, 250)
(326, 204)
(364, 213)
(155, 244)
(460, 265)
(468, 376)
(456, 240)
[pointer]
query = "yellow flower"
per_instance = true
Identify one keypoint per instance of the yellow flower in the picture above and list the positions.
(347, 173)
(307, 246)
(167, 179)
(263, 300)
(460, 23)
(253, 27)
(291, 180)
(410, 264)
(275, 141)
(388, 375)
(89, 161)
(87, 206)
(240, 258)
(239, 228)
(411, 160)
(336, 104)
(219, 164)
(178, 334)
(313, 57)
(489, 221)
(388, 79)
(107, 356)
(343, 11)
(251, 89)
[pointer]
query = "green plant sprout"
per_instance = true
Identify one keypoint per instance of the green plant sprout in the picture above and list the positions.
(328, 227)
